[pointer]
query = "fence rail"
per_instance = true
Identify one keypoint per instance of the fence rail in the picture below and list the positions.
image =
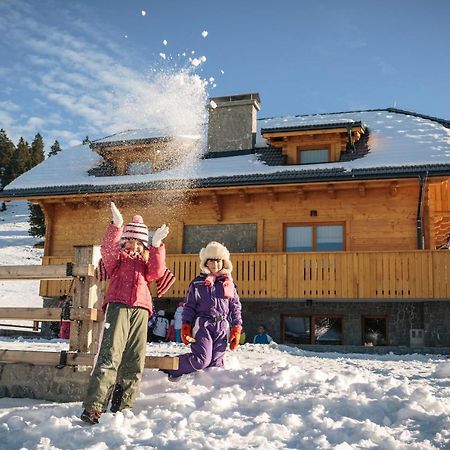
(74, 276)
(417, 274)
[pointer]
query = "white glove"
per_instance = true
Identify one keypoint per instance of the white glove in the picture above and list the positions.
(117, 217)
(160, 234)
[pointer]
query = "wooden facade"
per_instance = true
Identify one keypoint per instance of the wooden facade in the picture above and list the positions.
(391, 211)
(380, 258)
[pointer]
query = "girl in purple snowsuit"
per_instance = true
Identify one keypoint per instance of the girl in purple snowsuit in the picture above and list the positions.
(211, 301)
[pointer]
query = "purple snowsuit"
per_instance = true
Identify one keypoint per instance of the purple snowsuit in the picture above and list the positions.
(208, 311)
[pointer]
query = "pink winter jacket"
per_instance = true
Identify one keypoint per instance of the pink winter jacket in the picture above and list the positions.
(129, 274)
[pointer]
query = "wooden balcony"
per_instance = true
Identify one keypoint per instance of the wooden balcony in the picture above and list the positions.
(416, 274)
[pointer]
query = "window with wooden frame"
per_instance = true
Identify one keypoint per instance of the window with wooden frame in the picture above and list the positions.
(327, 330)
(323, 329)
(313, 156)
(296, 330)
(314, 238)
(374, 330)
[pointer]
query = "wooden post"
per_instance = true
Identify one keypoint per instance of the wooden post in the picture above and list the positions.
(84, 334)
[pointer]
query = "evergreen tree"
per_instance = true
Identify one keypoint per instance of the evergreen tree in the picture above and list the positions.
(19, 162)
(7, 149)
(23, 156)
(54, 149)
(37, 151)
(37, 221)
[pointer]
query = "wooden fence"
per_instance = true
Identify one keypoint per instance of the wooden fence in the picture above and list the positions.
(419, 274)
(78, 280)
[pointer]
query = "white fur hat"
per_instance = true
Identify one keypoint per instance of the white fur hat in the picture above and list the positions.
(214, 250)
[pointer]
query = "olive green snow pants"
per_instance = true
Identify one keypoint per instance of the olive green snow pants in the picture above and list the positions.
(121, 357)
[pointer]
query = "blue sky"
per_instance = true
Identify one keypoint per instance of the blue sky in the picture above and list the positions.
(66, 63)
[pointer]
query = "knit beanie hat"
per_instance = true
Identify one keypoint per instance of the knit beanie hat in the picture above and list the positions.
(136, 229)
(214, 250)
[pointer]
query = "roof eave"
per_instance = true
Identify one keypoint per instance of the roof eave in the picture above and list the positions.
(238, 180)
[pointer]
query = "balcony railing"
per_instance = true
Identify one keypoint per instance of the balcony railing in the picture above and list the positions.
(417, 274)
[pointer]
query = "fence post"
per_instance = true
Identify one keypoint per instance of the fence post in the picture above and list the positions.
(84, 334)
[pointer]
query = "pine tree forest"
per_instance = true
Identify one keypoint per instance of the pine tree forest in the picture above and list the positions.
(17, 159)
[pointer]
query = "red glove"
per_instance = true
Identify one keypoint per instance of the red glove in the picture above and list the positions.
(235, 336)
(186, 334)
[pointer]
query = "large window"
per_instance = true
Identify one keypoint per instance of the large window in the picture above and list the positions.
(297, 330)
(374, 331)
(238, 238)
(312, 330)
(328, 330)
(313, 156)
(314, 238)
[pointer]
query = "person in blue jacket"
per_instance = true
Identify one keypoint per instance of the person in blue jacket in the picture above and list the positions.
(262, 337)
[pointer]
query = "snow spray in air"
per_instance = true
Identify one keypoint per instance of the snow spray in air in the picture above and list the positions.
(170, 108)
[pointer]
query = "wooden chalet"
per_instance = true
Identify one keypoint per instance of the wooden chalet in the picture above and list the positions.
(338, 224)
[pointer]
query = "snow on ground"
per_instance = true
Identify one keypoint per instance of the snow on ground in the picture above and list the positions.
(17, 248)
(267, 397)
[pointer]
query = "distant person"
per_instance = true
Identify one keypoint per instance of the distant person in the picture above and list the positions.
(262, 337)
(178, 321)
(161, 327)
(170, 335)
(131, 263)
(211, 300)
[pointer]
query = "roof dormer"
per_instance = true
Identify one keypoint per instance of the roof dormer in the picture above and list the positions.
(125, 155)
(313, 144)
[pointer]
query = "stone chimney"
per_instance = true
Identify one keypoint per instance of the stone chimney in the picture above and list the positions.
(232, 122)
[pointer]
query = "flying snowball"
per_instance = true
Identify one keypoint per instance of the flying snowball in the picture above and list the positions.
(163, 55)
(204, 33)
(164, 42)
(143, 12)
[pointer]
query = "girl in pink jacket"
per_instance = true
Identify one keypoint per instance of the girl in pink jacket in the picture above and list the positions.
(131, 264)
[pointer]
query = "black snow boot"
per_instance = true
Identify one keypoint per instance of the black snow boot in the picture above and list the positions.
(116, 399)
(90, 416)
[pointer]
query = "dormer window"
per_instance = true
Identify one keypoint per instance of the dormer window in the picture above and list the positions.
(312, 156)
(140, 168)
(314, 143)
(126, 154)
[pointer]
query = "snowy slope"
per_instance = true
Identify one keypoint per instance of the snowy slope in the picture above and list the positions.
(268, 397)
(16, 248)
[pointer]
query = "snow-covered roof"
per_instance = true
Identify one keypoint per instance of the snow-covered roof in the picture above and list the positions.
(141, 135)
(400, 144)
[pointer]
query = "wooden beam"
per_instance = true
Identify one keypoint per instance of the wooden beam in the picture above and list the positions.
(309, 132)
(84, 334)
(244, 195)
(302, 195)
(49, 272)
(273, 195)
(50, 314)
(331, 191)
(217, 206)
(54, 272)
(362, 189)
(393, 188)
(77, 359)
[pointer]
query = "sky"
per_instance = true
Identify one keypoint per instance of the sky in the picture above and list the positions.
(71, 69)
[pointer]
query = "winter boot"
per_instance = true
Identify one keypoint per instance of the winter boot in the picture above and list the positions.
(116, 398)
(173, 379)
(90, 416)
